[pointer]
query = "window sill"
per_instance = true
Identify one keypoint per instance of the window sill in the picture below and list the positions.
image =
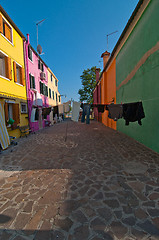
(30, 60)
(7, 39)
(5, 78)
(19, 84)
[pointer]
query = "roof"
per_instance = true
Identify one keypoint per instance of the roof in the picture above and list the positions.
(122, 35)
(11, 21)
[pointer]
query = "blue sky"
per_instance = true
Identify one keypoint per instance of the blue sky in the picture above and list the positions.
(73, 36)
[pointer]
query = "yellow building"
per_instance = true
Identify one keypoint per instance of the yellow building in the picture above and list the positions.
(12, 75)
(54, 95)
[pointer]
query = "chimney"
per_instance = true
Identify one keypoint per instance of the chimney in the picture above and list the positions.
(28, 38)
(97, 70)
(105, 57)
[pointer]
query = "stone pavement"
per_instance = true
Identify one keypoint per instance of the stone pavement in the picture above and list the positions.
(95, 183)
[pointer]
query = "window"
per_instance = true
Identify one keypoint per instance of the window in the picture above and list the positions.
(40, 65)
(41, 88)
(5, 66)
(56, 97)
(55, 82)
(30, 53)
(53, 95)
(32, 81)
(51, 77)
(59, 99)
(18, 74)
(12, 111)
(23, 108)
(5, 29)
(2, 65)
(49, 93)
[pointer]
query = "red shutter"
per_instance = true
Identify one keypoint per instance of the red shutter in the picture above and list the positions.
(15, 71)
(6, 112)
(8, 68)
(1, 24)
(22, 79)
(16, 115)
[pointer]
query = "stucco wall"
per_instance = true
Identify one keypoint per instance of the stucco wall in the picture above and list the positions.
(137, 73)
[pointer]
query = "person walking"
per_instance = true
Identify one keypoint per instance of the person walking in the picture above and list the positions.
(86, 112)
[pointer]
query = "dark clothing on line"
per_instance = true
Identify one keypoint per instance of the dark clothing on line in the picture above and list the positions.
(133, 112)
(115, 111)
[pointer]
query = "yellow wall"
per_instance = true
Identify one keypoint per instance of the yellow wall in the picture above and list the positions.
(51, 85)
(8, 88)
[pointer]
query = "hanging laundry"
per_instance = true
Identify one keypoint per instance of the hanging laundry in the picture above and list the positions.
(61, 108)
(115, 111)
(101, 108)
(133, 112)
(75, 111)
(67, 106)
(4, 137)
(32, 119)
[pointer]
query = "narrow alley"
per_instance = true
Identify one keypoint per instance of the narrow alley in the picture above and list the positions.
(74, 181)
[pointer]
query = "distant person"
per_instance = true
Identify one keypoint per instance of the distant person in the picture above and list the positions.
(86, 112)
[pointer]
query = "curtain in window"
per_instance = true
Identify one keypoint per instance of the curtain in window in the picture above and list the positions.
(4, 137)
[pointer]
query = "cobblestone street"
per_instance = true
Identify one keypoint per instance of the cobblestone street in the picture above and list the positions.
(89, 184)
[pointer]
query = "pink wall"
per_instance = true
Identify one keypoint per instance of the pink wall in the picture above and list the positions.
(32, 68)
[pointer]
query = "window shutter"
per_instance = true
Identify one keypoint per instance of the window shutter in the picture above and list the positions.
(1, 24)
(8, 32)
(16, 116)
(15, 71)
(22, 79)
(6, 112)
(38, 64)
(33, 81)
(8, 68)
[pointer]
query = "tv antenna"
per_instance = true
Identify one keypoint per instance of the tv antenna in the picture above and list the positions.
(108, 36)
(39, 48)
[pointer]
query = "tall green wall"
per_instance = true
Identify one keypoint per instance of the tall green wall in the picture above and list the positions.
(145, 83)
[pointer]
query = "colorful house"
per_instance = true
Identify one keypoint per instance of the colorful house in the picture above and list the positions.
(137, 71)
(12, 75)
(54, 95)
(131, 73)
(37, 88)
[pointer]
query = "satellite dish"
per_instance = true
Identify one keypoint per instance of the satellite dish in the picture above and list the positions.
(39, 49)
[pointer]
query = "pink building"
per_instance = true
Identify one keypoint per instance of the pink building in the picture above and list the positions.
(37, 88)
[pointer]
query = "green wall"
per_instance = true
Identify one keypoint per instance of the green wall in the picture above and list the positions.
(145, 83)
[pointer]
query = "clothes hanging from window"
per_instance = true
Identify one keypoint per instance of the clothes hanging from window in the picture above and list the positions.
(115, 111)
(133, 112)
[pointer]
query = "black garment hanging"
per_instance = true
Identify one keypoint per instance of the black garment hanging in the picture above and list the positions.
(133, 112)
(115, 111)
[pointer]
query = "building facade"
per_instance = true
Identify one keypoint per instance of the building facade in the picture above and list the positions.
(12, 75)
(131, 74)
(37, 87)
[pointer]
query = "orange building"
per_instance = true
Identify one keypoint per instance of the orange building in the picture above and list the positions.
(108, 87)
